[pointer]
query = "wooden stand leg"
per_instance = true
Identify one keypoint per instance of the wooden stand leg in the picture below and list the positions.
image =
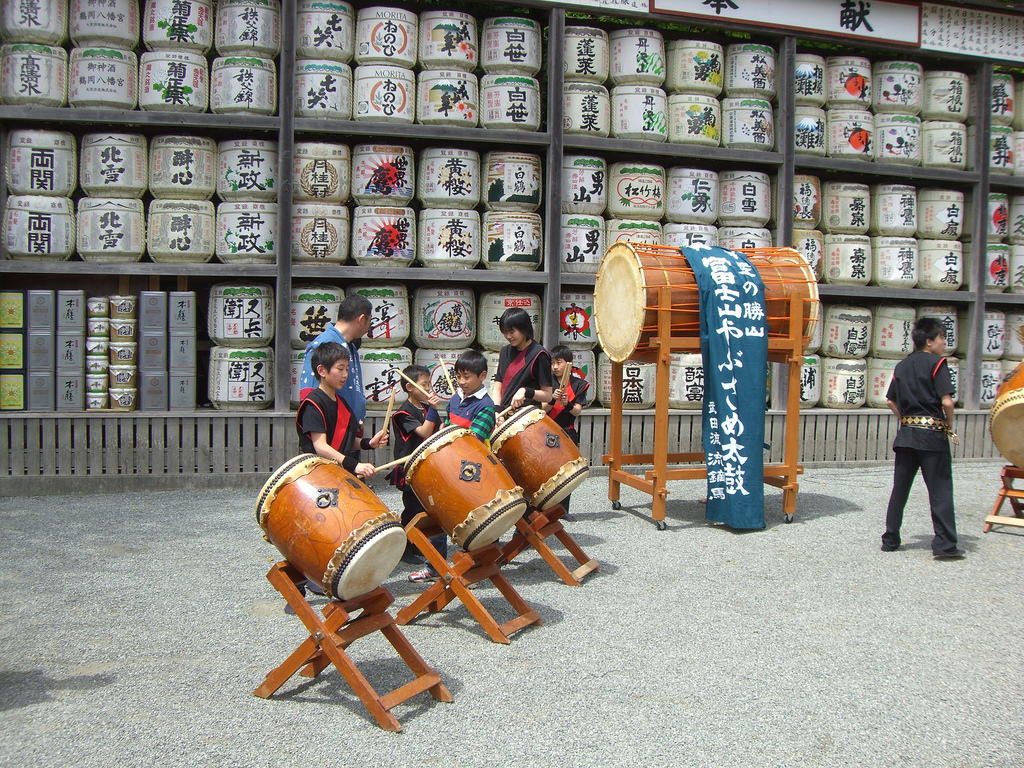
(1008, 492)
(330, 636)
(533, 528)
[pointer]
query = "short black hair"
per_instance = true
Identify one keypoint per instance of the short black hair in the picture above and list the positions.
(413, 372)
(925, 329)
(354, 305)
(516, 319)
(561, 352)
(326, 354)
(471, 361)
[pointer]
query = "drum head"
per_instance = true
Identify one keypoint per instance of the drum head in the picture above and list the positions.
(489, 523)
(371, 563)
(1007, 419)
(619, 302)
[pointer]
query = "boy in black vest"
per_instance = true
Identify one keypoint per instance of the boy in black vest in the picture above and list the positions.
(567, 403)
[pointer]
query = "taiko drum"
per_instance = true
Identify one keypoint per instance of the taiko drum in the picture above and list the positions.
(1007, 420)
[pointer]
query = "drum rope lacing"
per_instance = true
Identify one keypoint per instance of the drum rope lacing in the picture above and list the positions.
(356, 547)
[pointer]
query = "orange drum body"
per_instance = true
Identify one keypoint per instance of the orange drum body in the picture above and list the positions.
(1007, 420)
(631, 274)
(539, 456)
(330, 526)
(464, 488)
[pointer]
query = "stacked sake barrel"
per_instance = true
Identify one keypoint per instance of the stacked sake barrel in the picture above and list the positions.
(240, 323)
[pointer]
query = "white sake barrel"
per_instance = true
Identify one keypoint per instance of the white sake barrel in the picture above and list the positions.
(98, 383)
(893, 210)
(692, 196)
(636, 190)
(632, 231)
(844, 383)
(586, 109)
(320, 234)
(639, 112)
(510, 102)
(584, 366)
(991, 379)
(817, 334)
(685, 381)
(1003, 101)
(433, 359)
(810, 131)
(512, 241)
(324, 29)
(997, 267)
(511, 45)
(115, 23)
(891, 326)
(493, 305)
(447, 97)
(694, 118)
(749, 71)
(180, 231)
(41, 163)
(880, 373)
(448, 40)
(44, 22)
(97, 306)
(33, 75)
(847, 331)
(940, 264)
(747, 123)
(448, 178)
(806, 201)
(847, 260)
(954, 376)
(849, 133)
(1013, 337)
(384, 94)
(449, 238)
(247, 232)
(638, 380)
(245, 85)
(241, 378)
(1018, 153)
(384, 237)
(110, 230)
(512, 181)
(380, 369)
(323, 88)
(947, 315)
(940, 214)
(811, 244)
(241, 315)
(1009, 367)
(39, 227)
(583, 243)
(846, 208)
(113, 165)
(847, 82)
(389, 314)
(998, 217)
(945, 96)
(169, 25)
(897, 139)
(123, 398)
(443, 317)
(386, 36)
(1015, 226)
(810, 381)
(1015, 278)
(744, 237)
(382, 174)
(694, 66)
(744, 199)
(320, 172)
(584, 184)
(585, 56)
(248, 28)
(894, 261)
(576, 320)
(688, 235)
(247, 169)
(1001, 150)
(103, 77)
(943, 144)
(809, 80)
(173, 81)
(182, 167)
(314, 308)
(896, 87)
(296, 359)
(637, 57)
(993, 330)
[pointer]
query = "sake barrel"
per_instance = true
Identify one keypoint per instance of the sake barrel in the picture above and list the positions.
(846, 208)
(744, 199)
(383, 236)
(386, 36)
(744, 237)
(940, 264)
(384, 94)
(747, 123)
(809, 80)
(694, 66)
(632, 230)
(954, 376)
(247, 232)
(993, 329)
(583, 243)
(636, 191)
(1015, 226)
(810, 381)
(320, 172)
(811, 244)
(447, 97)
(241, 378)
(638, 381)
(880, 373)
(844, 383)
(586, 110)
(320, 234)
(806, 201)
(448, 178)
(849, 133)
(313, 309)
(448, 40)
(1013, 337)
(110, 229)
(894, 261)
(685, 381)
(893, 210)
(847, 260)
(323, 88)
(434, 359)
(810, 131)
(749, 71)
(41, 163)
(511, 46)
(1003, 101)
(940, 214)
(896, 87)
(575, 319)
(694, 118)
(817, 334)
(637, 57)
(585, 55)
(1015, 278)
(512, 181)
(33, 75)
(1018, 153)
(296, 359)
(1000, 149)
(897, 139)
(38, 227)
(382, 174)
(848, 82)
(510, 103)
(989, 383)
(103, 77)
(584, 366)
(43, 22)
(185, 27)
(247, 170)
(692, 196)
(380, 367)
(945, 314)
(512, 241)
(493, 305)
(943, 144)
(389, 314)
(639, 112)
(173, 81)
(891, 325)
(945, 96)
(244, 85)
(847, 331)
(997, 222)
(182, 167)
(1008, 368)
(449, 238)
(113, 165)
(324, 29)
(688, 235)
(584, 184)
(241, 314)
(248, 28)
(997, 256)
(443, 317)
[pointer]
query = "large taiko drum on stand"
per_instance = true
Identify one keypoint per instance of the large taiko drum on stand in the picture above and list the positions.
(464, 488)
(330, 526)
(631, 274)
(539, 456)
(1007, 419)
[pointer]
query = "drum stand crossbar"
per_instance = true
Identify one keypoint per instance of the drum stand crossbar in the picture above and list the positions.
(330, 636)
(455, 578)
(531, 530)
(1015, 495)
(788, 350)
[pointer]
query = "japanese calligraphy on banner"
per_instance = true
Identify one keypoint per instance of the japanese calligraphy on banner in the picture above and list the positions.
(972, 32)
(734, 348)
(891, 22)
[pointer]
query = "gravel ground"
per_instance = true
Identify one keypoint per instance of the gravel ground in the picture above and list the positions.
(133, 629)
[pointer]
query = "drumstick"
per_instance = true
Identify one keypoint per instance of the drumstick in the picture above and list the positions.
(447, 378)
(566, 374)
(391, 405)
(421, 389)
(505, 412)
(390, 464)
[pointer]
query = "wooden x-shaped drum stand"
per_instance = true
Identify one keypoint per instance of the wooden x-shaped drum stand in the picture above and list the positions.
(1009, 474)
(466, 568)
(329, 637)
(531, 530)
